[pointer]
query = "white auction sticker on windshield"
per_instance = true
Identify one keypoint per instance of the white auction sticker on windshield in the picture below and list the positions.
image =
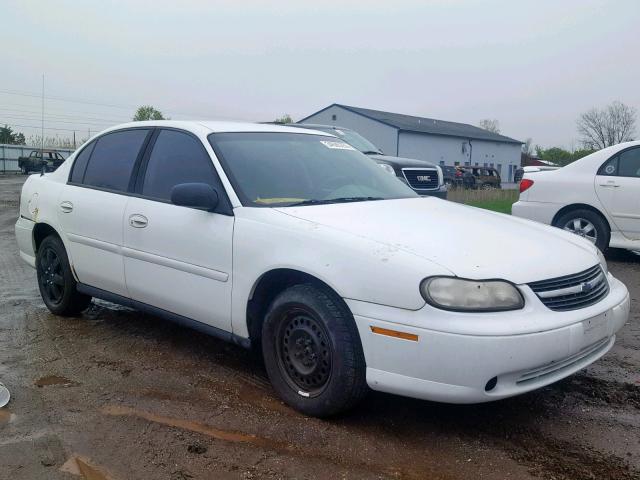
(336, 145)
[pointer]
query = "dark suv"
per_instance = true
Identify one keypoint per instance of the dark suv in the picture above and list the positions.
(425, 178)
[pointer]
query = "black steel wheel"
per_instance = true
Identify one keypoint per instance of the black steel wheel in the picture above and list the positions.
(304, 351)
(312, 351)
(55, 279)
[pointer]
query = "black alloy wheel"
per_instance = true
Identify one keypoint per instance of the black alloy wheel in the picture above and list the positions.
(51, 276)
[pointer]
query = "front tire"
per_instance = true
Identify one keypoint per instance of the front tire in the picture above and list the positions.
(312, 351)
(55, 279)
(586, 224)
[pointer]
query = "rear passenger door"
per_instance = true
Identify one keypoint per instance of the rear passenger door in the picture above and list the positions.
(617, 185)
(178, 258)
(91, 207)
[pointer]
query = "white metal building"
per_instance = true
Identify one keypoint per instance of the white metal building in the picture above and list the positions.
(438, 141)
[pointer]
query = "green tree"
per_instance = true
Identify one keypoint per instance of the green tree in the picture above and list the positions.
(286, 118)
(147, 112)
(560, 156)
(6, 135)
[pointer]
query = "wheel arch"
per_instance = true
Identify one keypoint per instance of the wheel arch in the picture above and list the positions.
(267, 287)
(579, 206)
(42, 230)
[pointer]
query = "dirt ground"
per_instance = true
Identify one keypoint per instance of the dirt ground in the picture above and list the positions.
(121, 395)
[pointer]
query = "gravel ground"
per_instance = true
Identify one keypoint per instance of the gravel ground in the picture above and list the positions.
(121, 395)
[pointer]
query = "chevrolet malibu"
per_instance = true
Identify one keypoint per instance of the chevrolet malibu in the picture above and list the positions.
(292, 241)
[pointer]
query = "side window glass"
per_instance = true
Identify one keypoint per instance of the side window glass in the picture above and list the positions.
(113, 158)
(80, 163)
(629, 163)
(176, 158)
(610, 167)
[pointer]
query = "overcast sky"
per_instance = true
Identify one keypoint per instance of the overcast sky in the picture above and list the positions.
(533, 65)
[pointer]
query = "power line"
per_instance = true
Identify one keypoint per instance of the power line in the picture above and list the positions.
(86, 102)
(14, 111)
(53, 120)
(66, 99)
(46, 128)
(54, 108)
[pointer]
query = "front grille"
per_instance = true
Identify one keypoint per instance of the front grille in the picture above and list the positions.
(572, 292)
(421, 178)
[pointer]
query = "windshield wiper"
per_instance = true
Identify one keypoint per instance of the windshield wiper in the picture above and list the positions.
(315, 201)
(372, 152)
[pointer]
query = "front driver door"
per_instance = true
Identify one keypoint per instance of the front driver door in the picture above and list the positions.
(618, 187)
(178, 258)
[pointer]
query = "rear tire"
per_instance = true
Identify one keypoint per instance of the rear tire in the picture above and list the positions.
(586, 224)
(312, 351)
(55, 279)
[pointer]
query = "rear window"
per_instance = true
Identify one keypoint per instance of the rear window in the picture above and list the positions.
(113, 158)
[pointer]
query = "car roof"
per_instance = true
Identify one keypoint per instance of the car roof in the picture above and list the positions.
(204, 127)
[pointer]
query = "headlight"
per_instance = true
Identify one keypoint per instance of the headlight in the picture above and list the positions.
(603, 262)
(387, 168)
(452, 293)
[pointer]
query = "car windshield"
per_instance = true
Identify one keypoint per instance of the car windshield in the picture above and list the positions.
(284, 169)
(354, 139)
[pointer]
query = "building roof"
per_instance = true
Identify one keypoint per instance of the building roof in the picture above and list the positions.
(409, 123)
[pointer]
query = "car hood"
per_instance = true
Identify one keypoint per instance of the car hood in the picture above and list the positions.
(469, 242)
(401, 161)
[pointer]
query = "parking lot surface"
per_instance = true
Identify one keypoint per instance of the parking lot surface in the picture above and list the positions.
(116, 394)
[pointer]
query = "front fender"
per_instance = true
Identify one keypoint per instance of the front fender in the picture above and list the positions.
(354, 267)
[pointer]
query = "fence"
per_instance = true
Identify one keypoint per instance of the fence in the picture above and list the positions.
(9, 155)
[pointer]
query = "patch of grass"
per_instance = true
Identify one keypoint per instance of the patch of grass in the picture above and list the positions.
(496, 200)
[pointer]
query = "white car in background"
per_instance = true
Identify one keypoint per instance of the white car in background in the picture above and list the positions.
(293, 241)
(596, 197)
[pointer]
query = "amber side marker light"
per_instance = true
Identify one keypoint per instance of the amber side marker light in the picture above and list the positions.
(395, 334)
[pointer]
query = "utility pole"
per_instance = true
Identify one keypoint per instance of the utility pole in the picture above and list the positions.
(74, 139)
(42, 125)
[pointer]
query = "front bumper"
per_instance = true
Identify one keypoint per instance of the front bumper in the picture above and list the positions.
(441, 192)
(454, 367)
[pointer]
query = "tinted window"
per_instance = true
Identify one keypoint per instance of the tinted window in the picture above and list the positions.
(113, 158)
(80, 163)
(629, 163)
(176, 158)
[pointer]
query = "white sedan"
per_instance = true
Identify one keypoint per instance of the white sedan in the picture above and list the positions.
(292, 241)
(596, 197)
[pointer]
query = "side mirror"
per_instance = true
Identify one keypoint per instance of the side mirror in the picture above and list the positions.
(195, 195)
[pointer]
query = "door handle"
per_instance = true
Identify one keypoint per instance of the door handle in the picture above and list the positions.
(138, 221)
(610, 185)
(66, 207)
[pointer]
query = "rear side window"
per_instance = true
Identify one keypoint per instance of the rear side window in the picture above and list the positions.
(176, 158)
(610, 167)
(80, 163)
(629, 163)
(113, 158)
